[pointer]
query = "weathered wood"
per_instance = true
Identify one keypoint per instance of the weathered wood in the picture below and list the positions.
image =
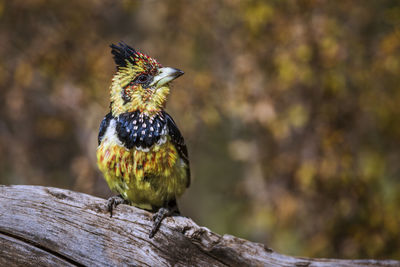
(55, 227)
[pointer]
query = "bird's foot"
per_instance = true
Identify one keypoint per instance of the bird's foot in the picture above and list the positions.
(160, 215)
(113, 202)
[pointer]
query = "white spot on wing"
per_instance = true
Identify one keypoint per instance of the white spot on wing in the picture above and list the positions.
(162, 140)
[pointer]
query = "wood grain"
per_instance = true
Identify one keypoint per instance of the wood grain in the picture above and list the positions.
(55, 227)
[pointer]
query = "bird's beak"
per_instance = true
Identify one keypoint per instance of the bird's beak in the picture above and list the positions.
(165, 75)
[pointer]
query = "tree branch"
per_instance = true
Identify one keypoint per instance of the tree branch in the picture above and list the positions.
(56, 227)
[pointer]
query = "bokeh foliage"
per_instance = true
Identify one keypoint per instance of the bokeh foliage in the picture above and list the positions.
(290, 110)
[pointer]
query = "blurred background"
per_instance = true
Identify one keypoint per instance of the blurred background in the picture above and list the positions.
(290, 110)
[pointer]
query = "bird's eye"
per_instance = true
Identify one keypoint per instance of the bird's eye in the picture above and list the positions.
(142, 78)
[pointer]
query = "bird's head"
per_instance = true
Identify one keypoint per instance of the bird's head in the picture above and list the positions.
(141, 83)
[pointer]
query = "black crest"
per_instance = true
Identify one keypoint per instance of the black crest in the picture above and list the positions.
(122, 52)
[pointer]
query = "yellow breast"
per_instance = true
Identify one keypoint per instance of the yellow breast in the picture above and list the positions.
(149, 177)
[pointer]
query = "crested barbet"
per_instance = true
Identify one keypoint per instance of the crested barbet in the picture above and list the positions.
(141, 151)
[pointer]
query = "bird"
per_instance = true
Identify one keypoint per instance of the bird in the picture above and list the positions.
(141, 152)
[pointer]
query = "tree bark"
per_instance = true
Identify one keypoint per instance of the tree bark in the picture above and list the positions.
(55, 227)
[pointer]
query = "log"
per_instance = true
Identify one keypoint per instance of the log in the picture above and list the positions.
(55, 227)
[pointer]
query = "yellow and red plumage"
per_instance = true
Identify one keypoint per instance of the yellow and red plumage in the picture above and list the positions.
(141, 152)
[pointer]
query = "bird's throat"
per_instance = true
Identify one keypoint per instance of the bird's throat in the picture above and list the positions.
(146, 101)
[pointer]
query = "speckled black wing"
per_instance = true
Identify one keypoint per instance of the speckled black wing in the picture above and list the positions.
(179, 142)
(103, 126)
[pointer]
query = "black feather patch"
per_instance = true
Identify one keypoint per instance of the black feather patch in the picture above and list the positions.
(104, 125)
(122, 52)
(137, 130)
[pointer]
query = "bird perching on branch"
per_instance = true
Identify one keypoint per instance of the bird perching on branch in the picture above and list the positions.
(141, 151)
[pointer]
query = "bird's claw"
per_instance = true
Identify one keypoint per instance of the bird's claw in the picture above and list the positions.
(113, 202)
(157, 219)
(159, 216)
